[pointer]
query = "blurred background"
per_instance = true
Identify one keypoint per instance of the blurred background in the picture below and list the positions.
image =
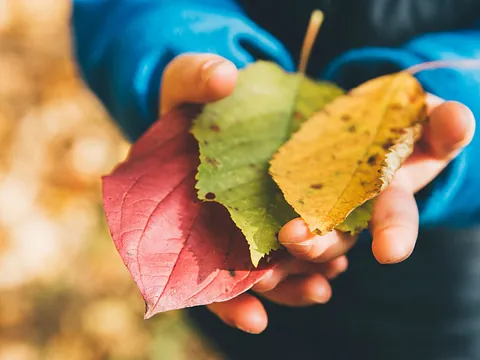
(64, 292)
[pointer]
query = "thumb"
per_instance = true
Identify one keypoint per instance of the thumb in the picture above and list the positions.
(451, 127)
(196, 79)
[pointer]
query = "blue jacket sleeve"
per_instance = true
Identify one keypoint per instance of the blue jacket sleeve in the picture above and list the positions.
(453, 199)
(123, 46)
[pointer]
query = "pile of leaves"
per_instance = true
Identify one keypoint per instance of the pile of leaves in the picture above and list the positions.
(196, 208)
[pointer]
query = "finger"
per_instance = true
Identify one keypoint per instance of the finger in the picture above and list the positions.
(301, 291)
(394, 224)
(197, 79)
(450, 128)
(302, 244)
(245, 312)
(293, 266)
(330, 269)
(335, 267)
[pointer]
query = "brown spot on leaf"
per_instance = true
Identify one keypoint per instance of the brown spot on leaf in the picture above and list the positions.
(231, 272)
(211, 161)
(352, 129)
(388, 144)
(399, 131)
(345, 117)
(210, 196)
(298, 115)
(372, 160)
(359, 162)
(396, 106)
(300, 201)
(215, 128)
(422, 118)
(316, 186)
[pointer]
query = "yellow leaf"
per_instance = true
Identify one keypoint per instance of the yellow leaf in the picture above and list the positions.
(348, 153)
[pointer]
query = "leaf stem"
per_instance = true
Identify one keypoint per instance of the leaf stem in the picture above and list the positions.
(443, 64)
(314, 25)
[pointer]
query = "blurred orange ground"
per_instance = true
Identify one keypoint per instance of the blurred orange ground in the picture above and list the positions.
(64, 292)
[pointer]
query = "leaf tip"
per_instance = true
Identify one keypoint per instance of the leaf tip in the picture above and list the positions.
(149, 311)
(255, 257)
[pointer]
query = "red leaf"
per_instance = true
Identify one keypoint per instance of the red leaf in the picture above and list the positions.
(180, 252)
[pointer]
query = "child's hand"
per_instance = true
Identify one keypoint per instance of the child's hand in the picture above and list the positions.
(395, 219)
(196, 79)
(303, 278)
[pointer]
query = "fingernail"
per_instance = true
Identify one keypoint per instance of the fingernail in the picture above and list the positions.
(334, 274)
(295, 232)
(395, 259)
(397, 249)
(467, 114)
(212, 67)
(469, 119)
(320, 295)
(244, 330)
(465, 134)
(233, 324)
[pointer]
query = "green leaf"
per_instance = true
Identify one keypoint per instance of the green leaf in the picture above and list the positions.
(312, 97)
(237, 137)
(358, 219)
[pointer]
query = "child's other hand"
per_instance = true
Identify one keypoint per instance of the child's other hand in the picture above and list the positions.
(394, 225)
(302, 279)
